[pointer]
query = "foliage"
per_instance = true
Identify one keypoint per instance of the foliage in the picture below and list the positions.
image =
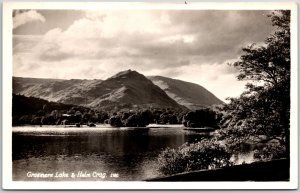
(200, 118)
(263, 110)
(31, 110)
(22, 105)
(269, 63)
(269, 152)
(206, 154)
(261, 113)
(115, 121)
(143, 117)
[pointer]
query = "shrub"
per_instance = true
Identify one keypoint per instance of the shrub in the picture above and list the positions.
(206, 154)
(270, 151)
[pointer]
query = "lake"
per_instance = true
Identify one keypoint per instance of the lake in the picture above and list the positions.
(53, 153)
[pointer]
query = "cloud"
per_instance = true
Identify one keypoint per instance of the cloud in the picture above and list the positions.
(189, 45)
(25, 43)
(214, 78)
(212, 36)
(21, 18)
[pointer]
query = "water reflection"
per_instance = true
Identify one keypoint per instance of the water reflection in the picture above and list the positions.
(130, 153)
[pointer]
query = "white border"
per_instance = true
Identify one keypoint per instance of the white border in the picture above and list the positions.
(7, 96)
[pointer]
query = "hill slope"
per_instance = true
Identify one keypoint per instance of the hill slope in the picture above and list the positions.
(127, 89)
(57, 90)
(190, 95)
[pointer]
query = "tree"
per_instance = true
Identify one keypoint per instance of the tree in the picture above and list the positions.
(264, 108)
(200, 118)
(48, 120)
(132, 121)
(146, 117)
(115, 121)
(136, 120)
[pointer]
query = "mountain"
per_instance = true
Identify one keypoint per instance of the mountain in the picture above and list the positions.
(128, 89)
(125, 90)
(57, 90)
(190, 95)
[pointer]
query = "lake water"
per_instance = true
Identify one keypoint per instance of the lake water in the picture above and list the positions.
(97, 153)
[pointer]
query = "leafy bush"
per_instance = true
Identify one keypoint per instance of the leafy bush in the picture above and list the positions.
(269, 152)
(206, 154)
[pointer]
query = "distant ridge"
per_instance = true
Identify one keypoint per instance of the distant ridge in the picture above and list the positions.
(190, 95)
(125, 90)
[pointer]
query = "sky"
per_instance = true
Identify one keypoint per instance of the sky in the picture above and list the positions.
(190, 45)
